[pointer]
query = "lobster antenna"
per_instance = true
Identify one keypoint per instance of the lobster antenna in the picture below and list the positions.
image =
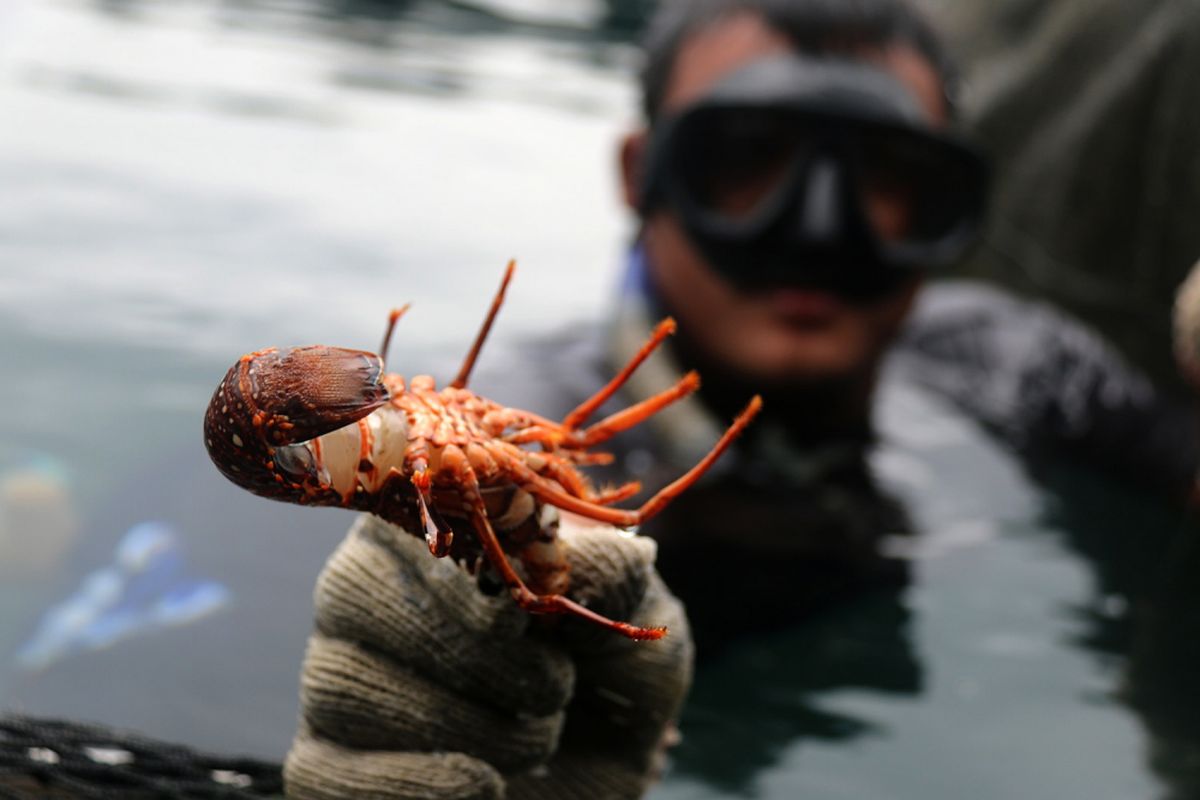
(460, 382)
(393, 318)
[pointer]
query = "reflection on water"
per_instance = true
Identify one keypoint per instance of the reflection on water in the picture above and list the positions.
(967, 681)
(1142, 618)
(1165, 657)
(735, 738)
(192, 180)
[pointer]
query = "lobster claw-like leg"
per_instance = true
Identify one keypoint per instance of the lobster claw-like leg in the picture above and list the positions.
(455, 464)
(438, 533)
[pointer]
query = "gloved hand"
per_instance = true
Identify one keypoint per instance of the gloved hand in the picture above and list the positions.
(418, 685)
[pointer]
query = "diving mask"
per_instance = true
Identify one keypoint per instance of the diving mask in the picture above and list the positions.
(824, 173)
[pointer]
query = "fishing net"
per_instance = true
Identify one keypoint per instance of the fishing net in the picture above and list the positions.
(53, 759)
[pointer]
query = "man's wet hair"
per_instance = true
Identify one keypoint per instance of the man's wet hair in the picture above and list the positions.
(815, 27)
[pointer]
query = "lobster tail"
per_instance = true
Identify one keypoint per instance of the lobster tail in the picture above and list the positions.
(277, 397)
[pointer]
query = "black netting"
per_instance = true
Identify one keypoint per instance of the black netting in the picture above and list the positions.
(52, 759)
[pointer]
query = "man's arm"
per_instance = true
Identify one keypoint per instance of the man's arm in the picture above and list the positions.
(1045, 381)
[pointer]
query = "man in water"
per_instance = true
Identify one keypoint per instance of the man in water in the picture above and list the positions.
(796, 180)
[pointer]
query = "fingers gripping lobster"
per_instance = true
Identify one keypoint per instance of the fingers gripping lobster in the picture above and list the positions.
(327, 426)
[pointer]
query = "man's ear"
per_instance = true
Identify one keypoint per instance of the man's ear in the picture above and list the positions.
(632, 161)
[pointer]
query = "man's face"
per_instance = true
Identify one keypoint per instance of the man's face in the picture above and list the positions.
(783, 334)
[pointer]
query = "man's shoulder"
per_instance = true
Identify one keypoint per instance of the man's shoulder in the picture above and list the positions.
(1021, 366)
(971, 323)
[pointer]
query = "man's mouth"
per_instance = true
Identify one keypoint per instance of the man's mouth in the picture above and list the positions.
(803, 307)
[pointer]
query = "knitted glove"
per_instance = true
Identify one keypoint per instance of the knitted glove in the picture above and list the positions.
(416, 684)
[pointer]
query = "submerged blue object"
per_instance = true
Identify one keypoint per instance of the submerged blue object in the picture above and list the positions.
(145, 588)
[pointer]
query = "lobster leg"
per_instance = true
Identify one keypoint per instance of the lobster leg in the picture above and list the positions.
(438, 534)
(464, 372)
(551, 434)
(565, 476)
(672, 490)
(541, 489)
(625, 419)
(468, 487)
(556, 470)
(585, 409)
(617, 493)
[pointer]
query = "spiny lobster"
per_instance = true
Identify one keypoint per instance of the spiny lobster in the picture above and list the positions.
(323, 425)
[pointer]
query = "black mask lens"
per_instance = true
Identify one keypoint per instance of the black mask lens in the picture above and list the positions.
(915, 190)
(731, 164)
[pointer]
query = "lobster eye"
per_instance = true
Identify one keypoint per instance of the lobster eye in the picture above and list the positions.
(295, 460)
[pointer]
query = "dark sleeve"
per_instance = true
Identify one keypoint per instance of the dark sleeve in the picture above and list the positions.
(1043, 380)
